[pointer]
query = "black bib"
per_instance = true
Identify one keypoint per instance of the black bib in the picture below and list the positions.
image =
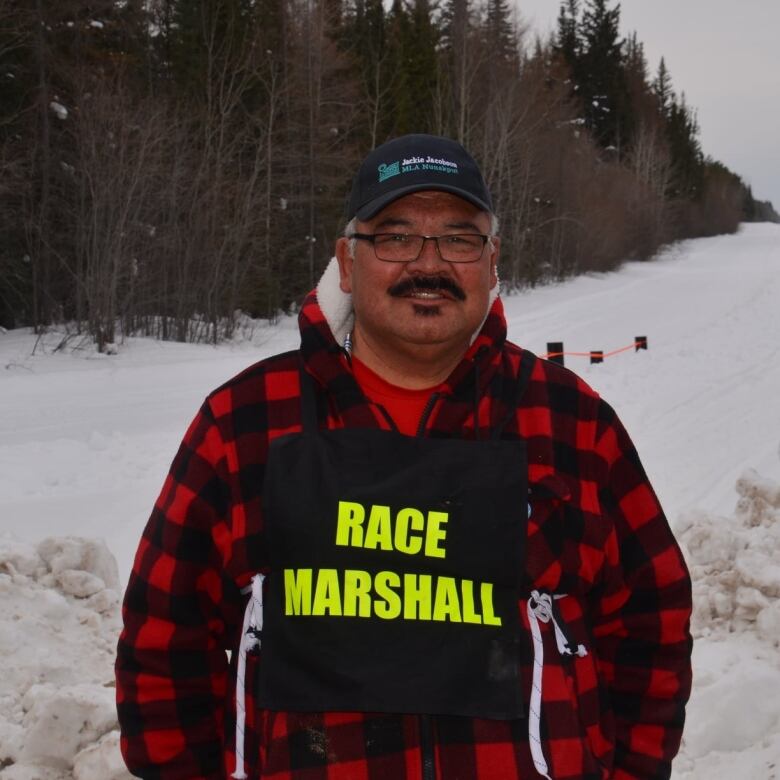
(395, 564)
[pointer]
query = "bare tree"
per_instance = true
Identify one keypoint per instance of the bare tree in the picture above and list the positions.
(651, 164)
(117, 169)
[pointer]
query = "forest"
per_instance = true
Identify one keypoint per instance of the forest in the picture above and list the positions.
(169, 167)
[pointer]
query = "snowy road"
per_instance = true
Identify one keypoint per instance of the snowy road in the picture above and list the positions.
(704, 401)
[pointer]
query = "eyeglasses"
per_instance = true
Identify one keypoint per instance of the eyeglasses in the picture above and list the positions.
(405, 247)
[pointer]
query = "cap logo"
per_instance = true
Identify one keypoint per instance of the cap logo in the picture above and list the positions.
(386, 171)
(409, 164)
(429, 164)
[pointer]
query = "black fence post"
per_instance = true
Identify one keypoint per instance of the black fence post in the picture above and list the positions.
(555, 352)
(640, 342)
(597, 356)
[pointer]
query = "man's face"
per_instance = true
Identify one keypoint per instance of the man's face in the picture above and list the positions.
(389, 310)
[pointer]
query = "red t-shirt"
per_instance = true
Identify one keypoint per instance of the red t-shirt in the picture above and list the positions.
(404, 406)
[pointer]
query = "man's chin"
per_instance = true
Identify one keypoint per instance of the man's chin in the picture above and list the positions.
(427, 309)
(430, 329)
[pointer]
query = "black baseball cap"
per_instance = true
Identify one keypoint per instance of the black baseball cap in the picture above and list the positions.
(413, 163)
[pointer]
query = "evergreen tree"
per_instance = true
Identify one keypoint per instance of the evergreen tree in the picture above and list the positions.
(643, 103)
(412, 41)
(397, 108)
(454, 20)
(17, 99)
(364, 34)
(364, 39)
(568, 43)
(500, 34)
(210, 39)
(662, 88)
(455, 26)
(422, 65)
(749, 209)
(459, 58)
(602, 76)
(635, 60)
(682, 131)
(499, 60)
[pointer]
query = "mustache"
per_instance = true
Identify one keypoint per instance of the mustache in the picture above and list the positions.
(428, 284)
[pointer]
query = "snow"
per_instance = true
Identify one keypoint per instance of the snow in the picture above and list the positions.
(59, 109)
(736, 588)
(57, 710)
(86, 439)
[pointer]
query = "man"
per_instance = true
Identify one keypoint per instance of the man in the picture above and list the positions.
(427, 553)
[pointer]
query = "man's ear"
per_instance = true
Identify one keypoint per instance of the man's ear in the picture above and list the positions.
(345, 261)
(494, 253)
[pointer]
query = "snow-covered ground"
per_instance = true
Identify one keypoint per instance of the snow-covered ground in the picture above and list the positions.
(85, 441)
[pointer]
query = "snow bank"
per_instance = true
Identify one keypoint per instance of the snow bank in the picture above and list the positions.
(733, 721)
(734, 562)
(59, 620)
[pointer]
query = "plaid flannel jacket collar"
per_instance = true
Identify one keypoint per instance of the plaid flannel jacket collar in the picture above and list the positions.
(326, 361)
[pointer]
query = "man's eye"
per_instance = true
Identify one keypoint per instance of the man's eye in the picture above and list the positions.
(462, 240)
(392, 238)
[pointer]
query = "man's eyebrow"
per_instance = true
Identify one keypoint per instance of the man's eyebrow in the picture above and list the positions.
(463, 226)
(392, 222)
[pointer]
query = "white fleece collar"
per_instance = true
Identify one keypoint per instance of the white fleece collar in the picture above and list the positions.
(336, 305)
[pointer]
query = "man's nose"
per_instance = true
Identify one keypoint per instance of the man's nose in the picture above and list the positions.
(429, 256)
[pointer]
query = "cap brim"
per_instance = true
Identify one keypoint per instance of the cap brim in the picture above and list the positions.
(373, 207)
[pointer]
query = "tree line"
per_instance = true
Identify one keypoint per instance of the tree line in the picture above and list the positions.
(168, 164)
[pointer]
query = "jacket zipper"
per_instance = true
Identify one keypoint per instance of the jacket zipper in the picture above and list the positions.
(426, 748)
(427, 413)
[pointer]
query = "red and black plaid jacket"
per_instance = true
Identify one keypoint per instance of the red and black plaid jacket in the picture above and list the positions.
(596, 533)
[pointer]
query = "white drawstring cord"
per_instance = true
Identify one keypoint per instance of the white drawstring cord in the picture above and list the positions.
(540, 608)
(250, 640)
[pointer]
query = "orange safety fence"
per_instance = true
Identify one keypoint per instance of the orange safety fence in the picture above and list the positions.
(556, 352)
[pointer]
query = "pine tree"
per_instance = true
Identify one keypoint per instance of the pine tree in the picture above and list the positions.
(662, 88)
(642, 101)
(635, 60)
(749, 210)
(459, 48)
(364, 33)
(687, 160)
(17, 99)
(602, 77)
(397, 108)
(568, 43)
(455, 18)
(499, 60)
(412, 42)
(421, 64)
(364, 39)
(500, 34)
(211, 38)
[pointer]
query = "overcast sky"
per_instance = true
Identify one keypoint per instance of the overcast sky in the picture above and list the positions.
(725, 56)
